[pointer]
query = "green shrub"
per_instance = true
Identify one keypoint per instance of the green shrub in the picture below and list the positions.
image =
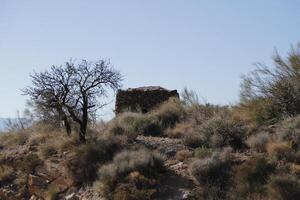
(284, 187)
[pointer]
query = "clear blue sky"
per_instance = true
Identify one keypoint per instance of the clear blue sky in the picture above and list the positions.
(204, 45)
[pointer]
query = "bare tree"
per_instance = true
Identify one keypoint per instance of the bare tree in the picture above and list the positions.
(73, 91)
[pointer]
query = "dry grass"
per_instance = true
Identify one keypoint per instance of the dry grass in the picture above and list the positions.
(180, 130)
(259, 142)
(278, 149)
(283, 187)
(122, 169)
(6, 174)
(183, 155)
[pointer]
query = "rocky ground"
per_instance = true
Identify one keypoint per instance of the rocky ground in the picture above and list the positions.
(175, 184)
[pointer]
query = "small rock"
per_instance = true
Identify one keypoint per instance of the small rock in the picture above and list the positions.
(71, 197)
(36, 184)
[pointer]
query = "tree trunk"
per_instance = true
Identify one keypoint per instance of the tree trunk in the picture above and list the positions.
(82, 133)
(67, 126)
(83, 124)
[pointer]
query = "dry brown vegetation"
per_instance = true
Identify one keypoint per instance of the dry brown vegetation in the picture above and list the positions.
(248, 151)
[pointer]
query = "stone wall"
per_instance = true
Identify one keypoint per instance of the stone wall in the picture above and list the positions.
(142, 99)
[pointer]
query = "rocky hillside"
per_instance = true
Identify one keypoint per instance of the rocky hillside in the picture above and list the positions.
(176, 152)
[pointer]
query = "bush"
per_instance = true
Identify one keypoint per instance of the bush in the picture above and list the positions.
(14, 138)
(140, 161)
(290, 131)
(278, 149)
(259, 142)
(252, 175)
(147, 125)
(6, 174)
(211, 171)
(48, 150)
(278, 89)
(29, 163)
(224, 131)
(83, 165)
(52, 192)
(180, 130)
(169, 113)
(284, 187)
(195, 140)
(203, 152)
(183, 155)
(123, 124)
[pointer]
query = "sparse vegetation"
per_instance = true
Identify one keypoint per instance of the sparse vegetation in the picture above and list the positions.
(246, 151)
(6, 174)
(130, 169)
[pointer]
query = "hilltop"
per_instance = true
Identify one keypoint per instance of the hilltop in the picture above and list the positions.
(158, 146)
(173, 152)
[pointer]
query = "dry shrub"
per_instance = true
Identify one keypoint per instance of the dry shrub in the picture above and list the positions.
(202, 152)
(29, 163)
(284, 187)
(295, 169)
(6, 174)
(48, 150)
(211, 171)
(137, 187)
(14, 138)
(259, 142)
(277, 89)
(84, 163)
(278, 149)
(169, 113)
(144, 162)
(251, 176)
(124, 124)
(180, 130)
(194, 140)
(223, 131)
(52, 192)
(258, 112)
(152, 123)
(183, 155)
(290, 131)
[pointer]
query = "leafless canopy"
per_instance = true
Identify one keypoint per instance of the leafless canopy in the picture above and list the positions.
(73, 90)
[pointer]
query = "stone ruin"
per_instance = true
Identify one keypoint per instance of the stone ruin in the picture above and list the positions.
(142, 99)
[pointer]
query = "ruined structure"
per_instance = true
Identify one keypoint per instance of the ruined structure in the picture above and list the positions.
(142, 99)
